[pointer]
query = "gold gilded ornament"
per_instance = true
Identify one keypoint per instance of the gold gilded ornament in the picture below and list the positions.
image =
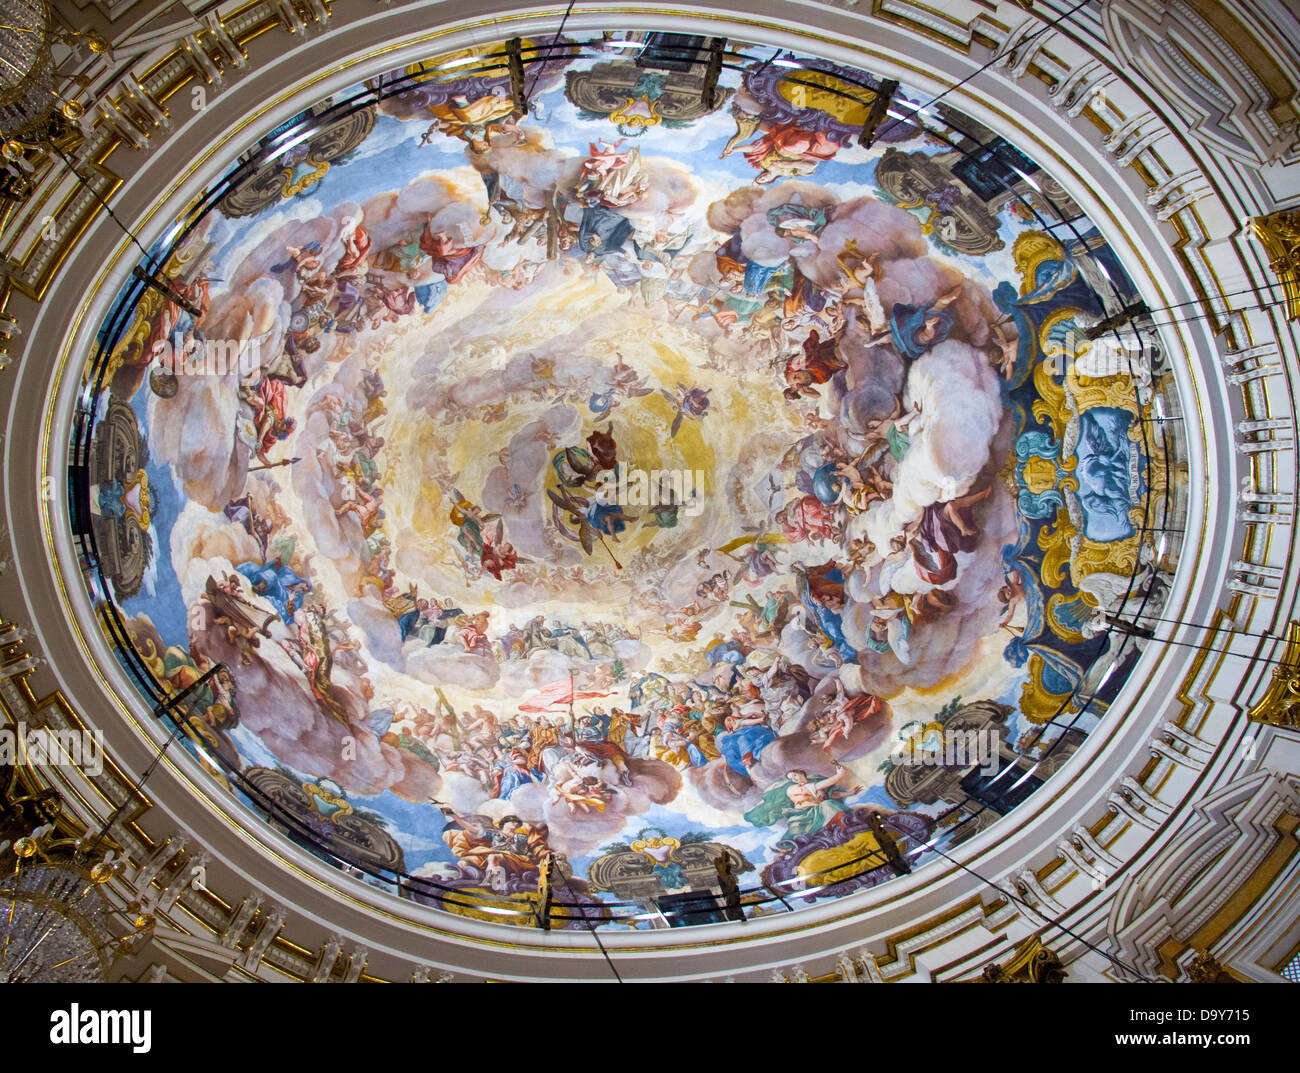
(1279, 234)
(1032, 963)
(1280, 704)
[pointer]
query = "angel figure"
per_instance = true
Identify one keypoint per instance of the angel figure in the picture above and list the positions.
(691, 402)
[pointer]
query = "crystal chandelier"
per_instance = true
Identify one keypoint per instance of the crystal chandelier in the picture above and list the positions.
(33, 109)
(56, 923)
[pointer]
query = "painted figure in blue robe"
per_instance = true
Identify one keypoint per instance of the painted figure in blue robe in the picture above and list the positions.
(406, 623)
(733, 265)
(379, 720)
(303, 260)
(821, 591)
(428, 621)
(747, 736)
(510, 774)
(804, 295)
(602, 231)
(757, 276)
(697, 758)
(915, 329)
(726, 652)
(831, 625)
(430, 295)
(607, 518)
(278, 584)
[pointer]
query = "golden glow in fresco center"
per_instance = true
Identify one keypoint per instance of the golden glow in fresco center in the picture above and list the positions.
(641, 479)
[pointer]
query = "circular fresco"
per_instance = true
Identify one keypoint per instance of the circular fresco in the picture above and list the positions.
(699, 482)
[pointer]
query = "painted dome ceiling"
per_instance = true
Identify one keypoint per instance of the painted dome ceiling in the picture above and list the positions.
(654, 475)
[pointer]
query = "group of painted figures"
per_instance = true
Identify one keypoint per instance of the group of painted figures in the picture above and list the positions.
(832, 535)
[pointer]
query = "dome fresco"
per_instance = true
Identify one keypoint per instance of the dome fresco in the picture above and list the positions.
(653, 477)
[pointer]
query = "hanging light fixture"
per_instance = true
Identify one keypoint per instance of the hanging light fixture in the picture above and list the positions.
(55, 920)
(53, 914)
(34, 107)
(26, 69)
